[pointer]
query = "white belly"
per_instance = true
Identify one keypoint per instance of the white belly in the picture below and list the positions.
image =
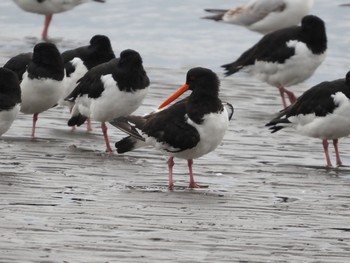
(39, 95)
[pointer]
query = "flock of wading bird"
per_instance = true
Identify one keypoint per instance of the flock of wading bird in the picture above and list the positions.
(98, 86)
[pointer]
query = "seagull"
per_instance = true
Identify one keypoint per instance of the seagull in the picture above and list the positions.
(285, 57)
(264, 16)
(321, 112)
(188, 129)
(79, 60)
(48, 8)
(10, 98)
(110, 90)
(42, 81)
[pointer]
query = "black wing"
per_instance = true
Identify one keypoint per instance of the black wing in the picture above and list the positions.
(271, 48)
(317, 100)
(170, 126)
(91, 83)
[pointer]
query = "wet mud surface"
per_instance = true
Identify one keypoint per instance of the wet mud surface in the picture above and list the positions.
(269, 196)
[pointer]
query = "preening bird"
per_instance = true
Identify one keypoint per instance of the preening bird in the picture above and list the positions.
(188, 129)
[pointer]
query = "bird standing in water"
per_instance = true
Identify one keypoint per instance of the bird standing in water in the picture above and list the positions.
(48, 8)
(321, 112)
(187, 129)
(285, 57)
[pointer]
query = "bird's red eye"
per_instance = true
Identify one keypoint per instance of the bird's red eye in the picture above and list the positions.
(192, 77)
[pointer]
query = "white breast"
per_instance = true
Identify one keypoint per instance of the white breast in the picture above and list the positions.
(294, 70)
(39, 95)
(114, 103)
(48, 6)
(332, 126)
(211, 132)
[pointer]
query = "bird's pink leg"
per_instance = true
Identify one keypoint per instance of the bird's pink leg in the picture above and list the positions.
(44, 34)
(292, 98)
(337, 155)
(325, 148)
(193, 184)
(281, 90)
(105, 135)
(35, 118)
(88, 125)
(170, 166)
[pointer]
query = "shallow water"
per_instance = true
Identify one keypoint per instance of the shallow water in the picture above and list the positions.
(270, 199)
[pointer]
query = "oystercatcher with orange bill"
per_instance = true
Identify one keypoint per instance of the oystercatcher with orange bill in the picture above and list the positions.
(321, 112)
(110, 90)
(10, 98)
(48, 8)
(188, 129)
(285, 57)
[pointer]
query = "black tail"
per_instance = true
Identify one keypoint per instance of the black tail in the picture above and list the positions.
(77, 120)
(125, 145)
(231, 68)
(274, 125)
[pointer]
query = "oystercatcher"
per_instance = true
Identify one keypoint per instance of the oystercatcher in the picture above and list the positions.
(78, 61)
(285, 57)
(188, 129)
(48, 8)
(10, 98)
(43, 81)
(321, 112)
(264, 16)
(110, 90)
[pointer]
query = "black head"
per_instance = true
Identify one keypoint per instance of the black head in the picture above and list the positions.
(129, 57)
(101, 41)
(311, 23)
(46, 53)
(347, 78)
(9, 84)
(314, 33)
(8, 79)
(47, 62)
(202, 80)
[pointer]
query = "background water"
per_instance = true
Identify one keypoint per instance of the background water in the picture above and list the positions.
(270, 199)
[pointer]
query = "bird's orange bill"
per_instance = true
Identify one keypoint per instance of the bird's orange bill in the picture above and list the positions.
(173, 97)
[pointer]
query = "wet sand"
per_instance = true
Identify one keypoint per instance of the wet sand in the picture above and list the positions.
(269, 196)
(269, 199)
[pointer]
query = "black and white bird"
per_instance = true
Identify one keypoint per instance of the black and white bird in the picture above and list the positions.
(321, 112)
(42, 81)
(285, 57)
(264, 16)
(48, 8)
(10, 98)
(187, 129)
(78, 61)
(110, 90)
